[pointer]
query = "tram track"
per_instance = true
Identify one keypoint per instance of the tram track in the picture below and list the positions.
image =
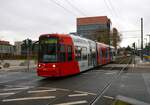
(95, 98)
(83, 96)
(109, 83)
(112, 67)
(102, 90)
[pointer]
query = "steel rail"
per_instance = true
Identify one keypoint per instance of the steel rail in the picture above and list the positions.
(114, 78)
(113, 66)
(118, 63)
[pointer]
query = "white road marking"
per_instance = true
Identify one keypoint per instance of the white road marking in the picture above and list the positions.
(62, 89)
(18, 86)
(55, 88)
(22, 88)
(108, 97)
(28, 98)
(1, 94)
(110, 73)
(76, 95)
(85, 92)
(38, 91)
(73, 103)
(6, 81)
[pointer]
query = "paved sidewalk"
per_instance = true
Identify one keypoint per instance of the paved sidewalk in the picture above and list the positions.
(18, 68)
(17, 65)
(139, 66)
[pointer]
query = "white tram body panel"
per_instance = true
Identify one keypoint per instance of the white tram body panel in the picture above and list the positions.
(84, 49)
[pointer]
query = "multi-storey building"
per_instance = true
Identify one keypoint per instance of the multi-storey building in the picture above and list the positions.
(95, 28)
(6, 49)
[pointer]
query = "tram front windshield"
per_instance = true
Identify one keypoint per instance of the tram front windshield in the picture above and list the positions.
(48, 50)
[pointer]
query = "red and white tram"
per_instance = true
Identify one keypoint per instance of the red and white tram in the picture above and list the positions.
(65, 54)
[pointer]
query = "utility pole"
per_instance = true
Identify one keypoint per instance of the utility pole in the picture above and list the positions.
(28, 54)
(149, 39)
(149, 43)
(134, 46)
(142, 39)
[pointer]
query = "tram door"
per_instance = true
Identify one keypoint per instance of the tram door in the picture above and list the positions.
(91, 56)
(94, 60)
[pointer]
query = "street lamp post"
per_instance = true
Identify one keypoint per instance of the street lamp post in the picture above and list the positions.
(28, 54)
(142, 39)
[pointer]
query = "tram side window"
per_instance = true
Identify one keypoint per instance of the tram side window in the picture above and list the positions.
(78, 53)
(100, 52)
(62, 55)
(106, 54)
(84, 53)
(69, 51)
(103, 53)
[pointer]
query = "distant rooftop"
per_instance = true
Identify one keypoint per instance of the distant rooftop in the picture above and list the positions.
(93, 20)
(2, 42)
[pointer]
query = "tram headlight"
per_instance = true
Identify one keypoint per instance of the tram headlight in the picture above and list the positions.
(39, 65)
(54, 66)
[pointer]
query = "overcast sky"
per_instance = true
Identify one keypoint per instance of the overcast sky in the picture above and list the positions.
(20, 19)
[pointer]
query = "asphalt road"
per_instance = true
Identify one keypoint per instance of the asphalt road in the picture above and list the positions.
(26, 88)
